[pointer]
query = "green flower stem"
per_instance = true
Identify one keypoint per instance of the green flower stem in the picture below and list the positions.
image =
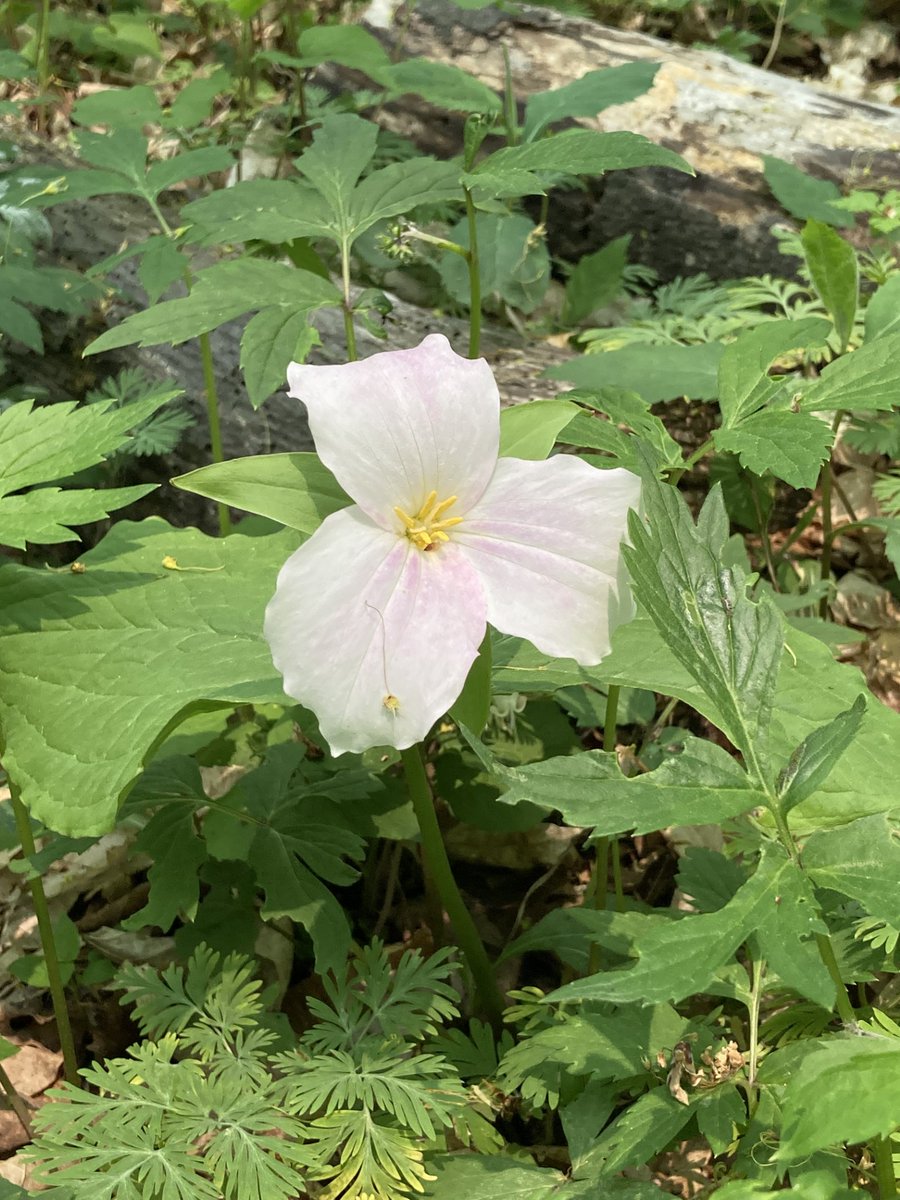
(349, 331)
(827, 535)
(43, 47)
(675, 473)
(438, 865)
(609, 745)
(829, 958)
(598, 887)
(16, 1103)
(48, 942)
(474, 279)
(883, 1154)
(758, 970)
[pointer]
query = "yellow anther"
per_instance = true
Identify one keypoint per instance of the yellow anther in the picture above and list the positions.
(427, 527)
(391, 703)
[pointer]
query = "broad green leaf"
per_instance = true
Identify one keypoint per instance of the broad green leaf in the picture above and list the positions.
(441, 84)
(597, 278)
(488, 187)
(349, 45)
(295, 489)
(847, 1091)
(190, 164)
(803, 195)
(194, 103)
(399, 188)
(867, 379)
(161, 265)
(720, 1113)
(220, 294)
(812, 689)
(860, 860)
(584, 152)
(268, 345)
(569, 933)
(709, 878)
(485, 1177)
(38, 445)
(131, 107)
(473, 706)
(701, 785)
(834, 270)
(776, 441)
(531, 430)
(122, 151)
(18, 323)
(128, 35)
(341, 150)
(587, 96)
(513, 258)
(268, 210)
(785, 938)
(883, 310)
(43, 516)
(645, 1128)
(744, 381)
(730, 644)
(519, 667)
(678, 958)
(141, 645)
(654, 372)
(816, 756)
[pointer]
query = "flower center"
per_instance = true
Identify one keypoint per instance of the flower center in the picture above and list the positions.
(427, 529)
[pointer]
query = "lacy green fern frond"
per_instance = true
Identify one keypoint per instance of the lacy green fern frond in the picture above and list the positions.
(879, 934)
(407, 1002)
(475, 1054)
(886, 490)
(375, 1160)
(795, 1023)
(159, 433)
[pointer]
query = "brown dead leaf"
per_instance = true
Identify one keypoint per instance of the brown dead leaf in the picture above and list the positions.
(33, 1069)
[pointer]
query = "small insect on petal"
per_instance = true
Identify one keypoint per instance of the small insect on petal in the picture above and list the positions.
(391, 703)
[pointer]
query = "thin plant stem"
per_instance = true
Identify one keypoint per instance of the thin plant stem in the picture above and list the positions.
(883, 1155)
(43, 47)
(601, 872)
(658, 725)
(753, 1011)
(829, 958)
(776, 36)
(609, 745)
(800, 528)
(349, 331)
(827, 540)
(510, 116)
(438, 865)
(48, 941)
(675, 473)
(763, 529)
(474, 279)
(16, 1103)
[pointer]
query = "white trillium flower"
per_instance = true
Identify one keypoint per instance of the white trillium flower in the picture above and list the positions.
(378, 617)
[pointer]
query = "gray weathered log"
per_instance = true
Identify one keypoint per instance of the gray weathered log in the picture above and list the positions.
(722, 115)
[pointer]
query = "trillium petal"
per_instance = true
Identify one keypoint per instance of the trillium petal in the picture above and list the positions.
(396, 426)
(545, 540)
(374, 636)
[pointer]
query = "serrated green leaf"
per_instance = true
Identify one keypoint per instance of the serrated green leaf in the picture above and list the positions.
(720, 1114)
(194, 103)
(161, 265)
(399, 188)
(679, 958)
(584, 152)
(38, 445)
(122, 151)
(520, 667)
(834, 270)
(349, 45)
(654, 372)
(220, 294)
(883, 310)
(531, 430)
(640, 1132)
(341, 150)
(744, 381)
(597, 278)
(484, 1177)
(267, 210)
(131, 107)
(789, 445)
(730, 644)
(189, 164)
(587, 96)
(701, 785)
(268, 344)
(847, 1091)
(442, 84)
(570, 932)
(18, 323)
(146, 644)
(866, 379)
(803, 195)
(622, 408)
(861, 860)
(785, 938)
(816, 756)
(295, 489)
(43, 516)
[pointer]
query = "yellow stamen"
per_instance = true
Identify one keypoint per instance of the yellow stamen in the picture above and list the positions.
(427, 527)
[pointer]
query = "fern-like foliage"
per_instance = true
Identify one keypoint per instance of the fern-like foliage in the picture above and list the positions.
(213, 1106)
(159, 433)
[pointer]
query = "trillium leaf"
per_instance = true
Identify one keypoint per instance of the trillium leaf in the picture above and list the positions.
(861, 860)
(847, 1090)
(813, 760)
(220, 294)
(867, 380)
(701, 785)
(531, 430)
(834, 269)
(654, 372)
(587, 96)
(789, 445)
(295, 489)
(744, 382)
(142, 645)
(584, 152)
(730, 644)
(520, 667)
(679, 958)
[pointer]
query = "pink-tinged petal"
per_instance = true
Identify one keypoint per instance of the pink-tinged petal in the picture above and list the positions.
(374, 636)
(545, 539)
(396, 426)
